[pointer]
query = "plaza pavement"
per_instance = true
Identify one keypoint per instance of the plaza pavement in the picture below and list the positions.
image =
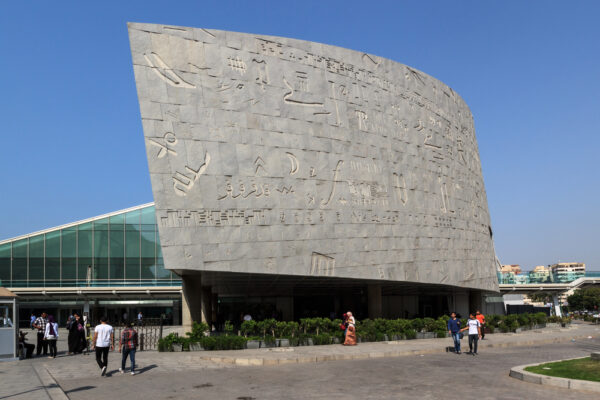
(385, 370)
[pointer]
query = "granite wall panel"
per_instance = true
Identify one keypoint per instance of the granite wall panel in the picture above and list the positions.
(275, 155)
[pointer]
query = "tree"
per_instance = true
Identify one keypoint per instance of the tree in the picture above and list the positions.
(540, 297)
(585, 299)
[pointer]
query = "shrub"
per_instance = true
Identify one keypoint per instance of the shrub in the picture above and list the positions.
(321, 339)
(524, 320)
(231, 342)
(417, 324)
(199, 330)
(429, 324)
(228, 327)
(248, 328)
(540, 318)
(410, 334)
(294, 328)
(440, 333)
(166, 343)
(208, 343)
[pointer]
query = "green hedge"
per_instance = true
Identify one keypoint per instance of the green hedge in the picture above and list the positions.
(324, 330)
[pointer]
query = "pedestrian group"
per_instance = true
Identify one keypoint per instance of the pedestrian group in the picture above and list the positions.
(475, 327)
(102, 342)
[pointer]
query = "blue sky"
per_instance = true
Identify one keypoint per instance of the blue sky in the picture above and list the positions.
(529, 70)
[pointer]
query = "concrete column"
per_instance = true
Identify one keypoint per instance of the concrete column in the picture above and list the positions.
(176, 309)
(191, 301)
(374, 301)
(206, 305)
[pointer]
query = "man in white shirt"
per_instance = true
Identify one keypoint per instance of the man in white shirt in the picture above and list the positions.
(102, 342)
(474, 327)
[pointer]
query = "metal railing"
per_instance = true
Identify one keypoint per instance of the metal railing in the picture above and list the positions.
(80, 283)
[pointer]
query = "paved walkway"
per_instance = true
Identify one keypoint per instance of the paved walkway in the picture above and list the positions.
(179, 375)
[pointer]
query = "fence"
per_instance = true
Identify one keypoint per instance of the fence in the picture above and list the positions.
(148, 336)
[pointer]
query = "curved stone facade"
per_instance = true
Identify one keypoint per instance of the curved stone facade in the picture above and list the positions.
(281, 156)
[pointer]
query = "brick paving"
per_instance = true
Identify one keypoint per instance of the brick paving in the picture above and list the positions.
(424, 371)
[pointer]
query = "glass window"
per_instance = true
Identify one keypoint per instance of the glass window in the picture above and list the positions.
(132, 254)
(6, 316)
(84, 253)
(133, 217)
(36, 261)
(19, 269)
(148, 219)
(69, 256)
(132, 245)
(148, 251)
(161, 272)
(52, 258)
(101, 246)
(117, 247)
(5, 264)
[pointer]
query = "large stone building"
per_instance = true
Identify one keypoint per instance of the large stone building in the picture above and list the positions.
(309, 177)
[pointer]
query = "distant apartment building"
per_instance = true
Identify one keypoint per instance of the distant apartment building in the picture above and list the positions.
(567, 272)
(510, 274)
(514, 268)
(540, 274)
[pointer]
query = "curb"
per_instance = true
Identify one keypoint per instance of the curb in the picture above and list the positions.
(53, 389)
(565, 383)
(303, 359)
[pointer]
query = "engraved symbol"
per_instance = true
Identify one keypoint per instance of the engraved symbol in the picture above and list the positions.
(322, 265)
(263, 73)
(445, 198)
(259, 163)
(335, 177)
(165, 72)
(419, 126)
(295, 165)
(286, 98)
(301, 81)
(362, 120)
(313, 172)
(381, 272)
(401, 188)
(207, 32)
(182, 182)
(414, 75)
(237, 65)
(165, 148)
(310, 199)
(285, 190)
(366, 56)
(337, 109)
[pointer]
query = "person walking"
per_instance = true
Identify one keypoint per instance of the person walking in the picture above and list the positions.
(128, 344)
(139, 318)
(102, 342)
(481, 318)
(474, 329)
(351, 332)
(454, 330)
(76, 340)
(32, 320)
(40, 324)
(51, 335)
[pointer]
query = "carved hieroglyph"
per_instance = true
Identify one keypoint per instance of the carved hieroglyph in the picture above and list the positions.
(274, 155)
